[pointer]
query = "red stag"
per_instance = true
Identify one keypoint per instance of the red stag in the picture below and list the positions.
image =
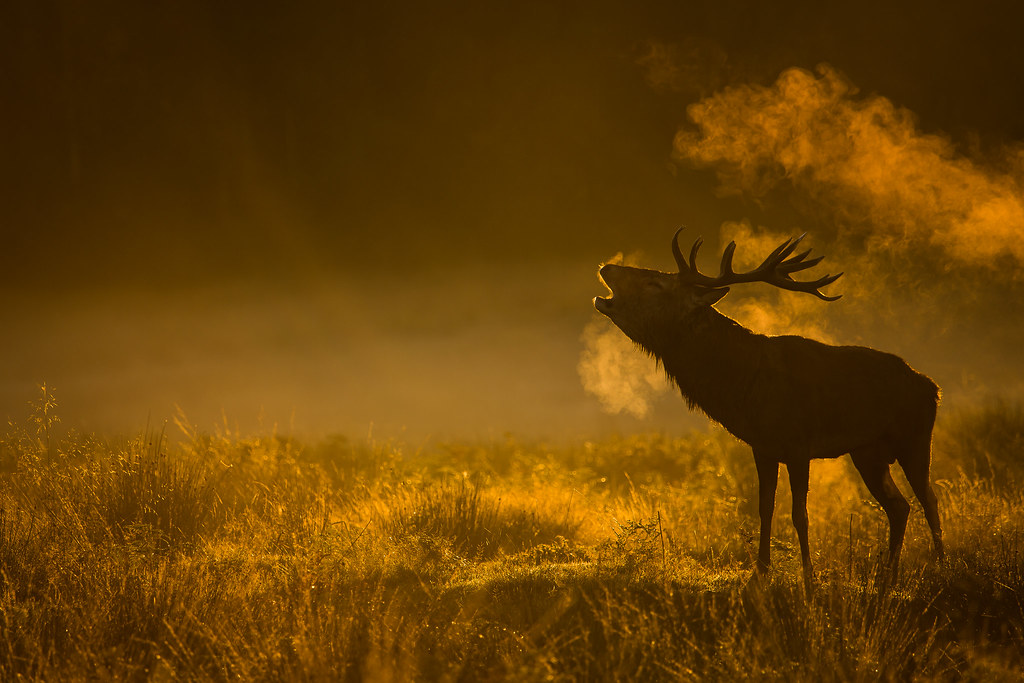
(790, 398)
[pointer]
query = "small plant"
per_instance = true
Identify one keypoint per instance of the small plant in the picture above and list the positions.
(635, 546)
(43, 418)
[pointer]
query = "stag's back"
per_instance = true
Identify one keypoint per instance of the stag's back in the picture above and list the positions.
(824, 401)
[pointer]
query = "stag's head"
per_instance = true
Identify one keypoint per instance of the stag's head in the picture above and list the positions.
(643, 299)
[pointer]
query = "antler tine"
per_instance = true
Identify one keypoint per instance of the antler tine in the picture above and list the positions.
(797, 263)
(777, 255)
(693, 253)
(799, 257)
(827, 280)
(677, 253)
(820, 282)
(809, 287)
(689, 271)
(783, 250)
(726, 269)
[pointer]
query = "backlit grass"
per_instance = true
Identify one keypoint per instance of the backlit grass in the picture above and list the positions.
(255, 557)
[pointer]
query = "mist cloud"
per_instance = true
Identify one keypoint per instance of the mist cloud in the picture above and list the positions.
(614, 370)
(886, 181)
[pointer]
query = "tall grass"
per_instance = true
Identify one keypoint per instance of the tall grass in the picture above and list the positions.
(987, 441)
(230, 556)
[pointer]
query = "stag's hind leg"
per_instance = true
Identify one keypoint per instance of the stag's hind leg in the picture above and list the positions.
(873, 465)
(916, 464)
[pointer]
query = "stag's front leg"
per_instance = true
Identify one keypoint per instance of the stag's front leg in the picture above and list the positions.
(767, 481)
(799, 473)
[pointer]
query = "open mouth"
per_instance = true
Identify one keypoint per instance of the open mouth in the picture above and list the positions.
(604, 303)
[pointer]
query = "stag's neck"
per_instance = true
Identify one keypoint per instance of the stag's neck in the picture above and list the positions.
(714, 361)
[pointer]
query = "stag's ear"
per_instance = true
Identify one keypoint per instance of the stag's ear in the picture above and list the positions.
(709, 297)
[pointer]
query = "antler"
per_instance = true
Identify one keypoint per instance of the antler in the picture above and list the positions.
(776, 269)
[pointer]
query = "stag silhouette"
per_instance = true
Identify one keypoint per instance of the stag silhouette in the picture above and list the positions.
(791, 399)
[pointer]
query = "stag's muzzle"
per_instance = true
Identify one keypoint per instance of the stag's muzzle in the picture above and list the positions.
(605, 274)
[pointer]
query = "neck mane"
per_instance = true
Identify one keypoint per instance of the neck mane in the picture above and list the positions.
(712, 359)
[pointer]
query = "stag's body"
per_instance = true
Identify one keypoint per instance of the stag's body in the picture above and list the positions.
(790, 398)
(793, 396)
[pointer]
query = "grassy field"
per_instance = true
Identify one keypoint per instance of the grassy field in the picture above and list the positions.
(255, 557)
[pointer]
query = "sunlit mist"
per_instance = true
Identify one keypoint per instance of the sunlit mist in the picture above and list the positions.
(614, 370)
(898, 187)
(885, 193)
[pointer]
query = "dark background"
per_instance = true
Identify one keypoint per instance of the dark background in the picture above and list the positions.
(334, 214)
